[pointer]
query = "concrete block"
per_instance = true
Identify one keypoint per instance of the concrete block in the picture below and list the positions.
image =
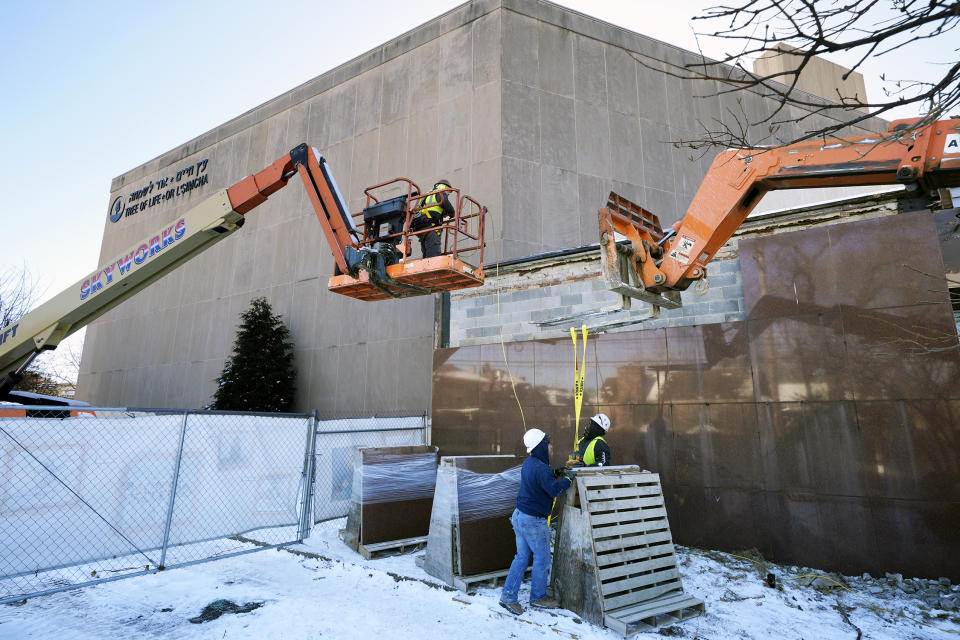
(662, 203)
(627, 159)
(352, 395)
(593, 192)
(486, 134)
(652, 92)
(520, 60)
(413, 391)
(395, 103)
(423, 146)
(366, 155)
(589, 71)
(720, 280)
(555, 53)
(681, 112)
(485, 185)
(521, 122)
(560, 197)
(711, 318)
(369, 90)
(454, 134)
(593, 139)
(486, 49)
(521, 202)
(557, 125)
(382, 378)
(659, 167)
(456, 61)
(621, 81)
(425, 77)
(724, 306)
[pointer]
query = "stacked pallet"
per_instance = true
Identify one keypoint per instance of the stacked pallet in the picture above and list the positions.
(614, 562)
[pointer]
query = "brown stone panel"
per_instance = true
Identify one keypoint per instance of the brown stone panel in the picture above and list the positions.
(554, 372)
(834, 448)
(799, 358)
(919, 538)
(795, 534)
(496, 375)
(397, 493)
(790, 274)
(485, 501)
(708, 363)
(650, 444)
(629, 366)
(908, 352)
(558, 423)
(456, 379)
(783, 447)
(734, 519)
(872, 278)
(731, 447)
(909, 450)
(685, 506)
(848, 525)
(688, 454)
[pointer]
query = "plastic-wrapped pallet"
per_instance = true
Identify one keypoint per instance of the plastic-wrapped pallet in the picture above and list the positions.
(392, 497)
(470, 532)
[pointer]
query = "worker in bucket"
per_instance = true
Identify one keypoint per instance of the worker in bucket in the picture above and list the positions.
(592, 449)
(434, 209)
(538, 488)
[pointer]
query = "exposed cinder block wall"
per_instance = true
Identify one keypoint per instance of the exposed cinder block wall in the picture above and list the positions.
(571, 288)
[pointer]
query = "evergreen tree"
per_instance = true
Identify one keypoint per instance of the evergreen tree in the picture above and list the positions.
(259, 375)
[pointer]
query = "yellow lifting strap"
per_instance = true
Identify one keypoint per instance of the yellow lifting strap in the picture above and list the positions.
(579, 368)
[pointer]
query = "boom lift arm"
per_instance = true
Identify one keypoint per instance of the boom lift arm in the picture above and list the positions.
(200, 228)
(656, 265)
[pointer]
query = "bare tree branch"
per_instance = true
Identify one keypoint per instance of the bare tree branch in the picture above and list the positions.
(803, 30)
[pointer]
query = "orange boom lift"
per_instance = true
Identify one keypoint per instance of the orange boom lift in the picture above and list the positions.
(369, 265)
(656, 265)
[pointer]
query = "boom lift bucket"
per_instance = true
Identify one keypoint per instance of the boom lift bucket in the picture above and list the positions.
(381, 266)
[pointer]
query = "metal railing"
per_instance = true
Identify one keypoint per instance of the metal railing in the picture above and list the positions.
(91, 495)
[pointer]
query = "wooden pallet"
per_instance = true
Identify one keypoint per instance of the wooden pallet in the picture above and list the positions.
(637, 578)
(494, 579)
(369, 551)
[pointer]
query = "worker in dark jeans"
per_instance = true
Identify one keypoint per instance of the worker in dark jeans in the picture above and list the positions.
(538, 488)
(434, 209)
(592, 449)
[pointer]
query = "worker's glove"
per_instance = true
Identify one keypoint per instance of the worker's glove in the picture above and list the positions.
(558, 472)
(571, 475)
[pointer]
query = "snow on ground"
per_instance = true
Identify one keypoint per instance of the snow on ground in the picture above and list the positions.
(322, 589)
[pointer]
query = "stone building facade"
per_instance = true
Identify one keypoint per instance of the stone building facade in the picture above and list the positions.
(535, 110)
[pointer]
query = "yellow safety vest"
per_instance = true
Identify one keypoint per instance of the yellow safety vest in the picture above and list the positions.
(432, 209)
(589, 457)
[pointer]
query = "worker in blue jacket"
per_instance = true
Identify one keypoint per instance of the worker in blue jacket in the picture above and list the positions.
(538, 488)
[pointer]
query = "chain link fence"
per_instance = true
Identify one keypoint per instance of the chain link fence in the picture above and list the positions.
(96, 494)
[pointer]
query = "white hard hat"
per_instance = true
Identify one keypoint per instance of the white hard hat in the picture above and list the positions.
(602, 421)
(532, 438)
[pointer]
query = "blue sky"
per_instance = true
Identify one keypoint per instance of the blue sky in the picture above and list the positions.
(94, 89)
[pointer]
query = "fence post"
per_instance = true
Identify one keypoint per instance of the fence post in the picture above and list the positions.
(309, 476)
(173, 492)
